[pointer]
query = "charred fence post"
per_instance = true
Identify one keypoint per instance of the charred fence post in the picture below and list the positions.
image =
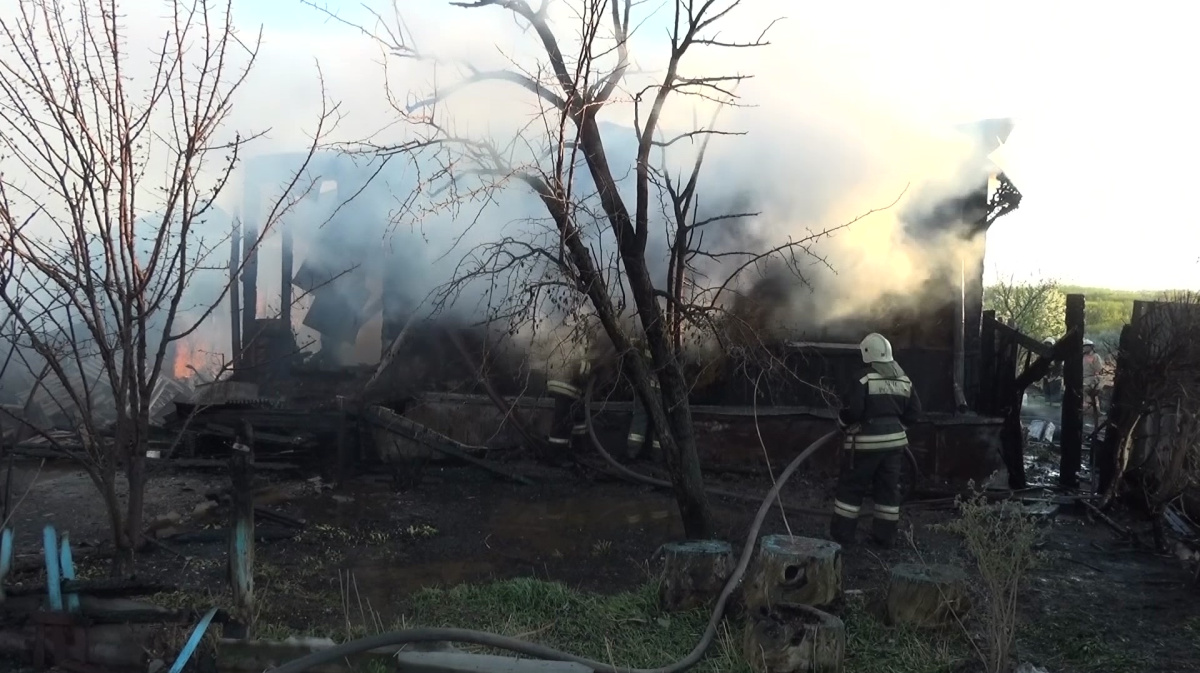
(986, 402)
(1072, 404)
(241, 529)
(1106, 453)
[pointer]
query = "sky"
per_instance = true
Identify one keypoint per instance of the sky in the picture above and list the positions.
(1100, 98)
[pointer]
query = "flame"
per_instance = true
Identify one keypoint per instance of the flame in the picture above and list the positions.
(186, 356)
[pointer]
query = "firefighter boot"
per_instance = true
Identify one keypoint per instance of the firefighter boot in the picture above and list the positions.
(883, 532)
(841, 529)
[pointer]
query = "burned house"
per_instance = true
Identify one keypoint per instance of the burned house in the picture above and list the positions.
(355, 301)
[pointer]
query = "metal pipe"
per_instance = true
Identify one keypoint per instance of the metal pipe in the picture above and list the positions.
(960, 335)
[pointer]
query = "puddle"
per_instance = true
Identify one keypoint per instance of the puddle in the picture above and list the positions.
(576, 524)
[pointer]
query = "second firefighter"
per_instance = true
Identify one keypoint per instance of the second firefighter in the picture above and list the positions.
(877, 408)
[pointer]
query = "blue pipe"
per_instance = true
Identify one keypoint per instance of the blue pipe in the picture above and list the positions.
(53, 578)
(6, 556)
(193, 642)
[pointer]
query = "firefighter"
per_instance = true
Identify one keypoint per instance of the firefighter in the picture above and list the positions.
(1093, 365)
(568, 431)
(877, 408)
(1052, 383)
(641, 425)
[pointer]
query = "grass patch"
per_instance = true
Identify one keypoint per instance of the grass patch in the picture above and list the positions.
(873, 647)
(1077, 643)
(624, 629)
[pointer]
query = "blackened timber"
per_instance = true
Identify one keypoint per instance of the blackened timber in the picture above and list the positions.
(986, 402)
(389, 420)
(1024, 340)
(1012, 434)
(1072, 404)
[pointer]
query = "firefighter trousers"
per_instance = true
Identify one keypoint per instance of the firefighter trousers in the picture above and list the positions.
(874, 473)
(568, 430)
(641, 427)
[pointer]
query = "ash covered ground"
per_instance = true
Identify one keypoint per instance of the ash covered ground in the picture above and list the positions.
(1097, 604)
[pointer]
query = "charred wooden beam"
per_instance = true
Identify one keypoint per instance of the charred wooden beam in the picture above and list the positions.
(405, 427)
(986, 403)
(1023, 340)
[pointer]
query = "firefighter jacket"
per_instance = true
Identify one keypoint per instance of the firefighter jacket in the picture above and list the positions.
(571, 383)
(877, 408)
(1093, 366)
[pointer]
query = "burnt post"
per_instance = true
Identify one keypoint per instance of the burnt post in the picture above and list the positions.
(241, 528)
(235, 308)
(1072, 404)
(986, 402)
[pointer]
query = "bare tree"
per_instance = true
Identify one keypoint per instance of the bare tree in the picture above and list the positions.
(593, 262)
(109, 185)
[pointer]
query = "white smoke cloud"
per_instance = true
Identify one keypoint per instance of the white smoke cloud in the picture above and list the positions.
(819, 151)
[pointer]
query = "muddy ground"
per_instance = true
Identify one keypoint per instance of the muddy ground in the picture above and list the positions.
(1097, 604)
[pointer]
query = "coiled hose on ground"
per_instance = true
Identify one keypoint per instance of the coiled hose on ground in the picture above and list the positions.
(529, 649)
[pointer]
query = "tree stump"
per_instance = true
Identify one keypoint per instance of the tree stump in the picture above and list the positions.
(795, 570)
(927, 596)
(794, 639)
(694, 573)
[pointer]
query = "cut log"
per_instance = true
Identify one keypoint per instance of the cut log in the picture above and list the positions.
(694, 572)
(927, 596)
(795, 570)
(794, 639)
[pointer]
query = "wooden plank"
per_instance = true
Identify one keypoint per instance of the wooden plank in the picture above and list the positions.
(390, 420)
(1023, 340)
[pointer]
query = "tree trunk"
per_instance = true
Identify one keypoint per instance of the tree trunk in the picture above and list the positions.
(108, 492)
(927, 596)
(670, 410)
(694, 573)
(684, 462)
(794, 639)
(795, 571)
(135, 473)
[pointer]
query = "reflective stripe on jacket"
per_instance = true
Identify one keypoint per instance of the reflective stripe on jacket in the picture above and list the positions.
(877, 408)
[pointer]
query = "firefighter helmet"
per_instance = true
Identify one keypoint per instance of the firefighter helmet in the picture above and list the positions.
(1088, 342)
(875, 348)
(1047, 341)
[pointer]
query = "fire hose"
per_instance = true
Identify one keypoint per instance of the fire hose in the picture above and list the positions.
(529, 649)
